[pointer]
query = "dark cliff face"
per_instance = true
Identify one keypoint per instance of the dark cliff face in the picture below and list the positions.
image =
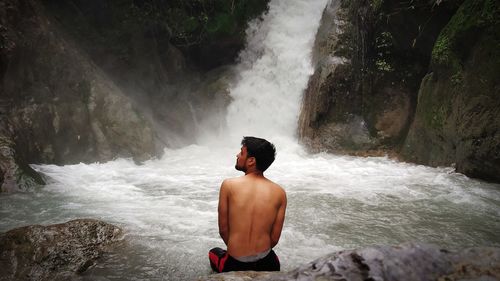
(458, 112)
(58, 106)
(370, 58)
(369, 88)
(162, 53)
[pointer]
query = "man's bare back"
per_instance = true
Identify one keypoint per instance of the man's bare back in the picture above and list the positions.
(251, 213)
(255, 209)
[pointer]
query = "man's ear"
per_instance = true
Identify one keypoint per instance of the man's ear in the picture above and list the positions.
(252, 161)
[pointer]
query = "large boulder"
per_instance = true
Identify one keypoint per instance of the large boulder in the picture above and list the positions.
(54, 252)
(331, 116)
(409, 262)
(15, 175)
(457, 120)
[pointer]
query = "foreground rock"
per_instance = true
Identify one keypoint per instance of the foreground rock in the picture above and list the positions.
(55, 251)
(410, 262)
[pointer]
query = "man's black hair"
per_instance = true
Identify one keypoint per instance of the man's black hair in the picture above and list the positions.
(263, 151)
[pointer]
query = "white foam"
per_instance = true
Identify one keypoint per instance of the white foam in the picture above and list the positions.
(274, 70)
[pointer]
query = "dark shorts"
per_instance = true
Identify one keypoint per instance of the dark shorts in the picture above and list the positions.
(222, 262)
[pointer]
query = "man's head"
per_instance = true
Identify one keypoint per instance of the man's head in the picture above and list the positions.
(255, 152)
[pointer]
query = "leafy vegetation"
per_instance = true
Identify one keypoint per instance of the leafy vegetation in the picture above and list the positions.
(454, 41)
(116, 23)
(196, 21)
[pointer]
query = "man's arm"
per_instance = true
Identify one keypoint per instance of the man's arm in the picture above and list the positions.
(278, 223)
(224, 212)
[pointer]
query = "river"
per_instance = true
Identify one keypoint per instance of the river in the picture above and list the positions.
(168, 206)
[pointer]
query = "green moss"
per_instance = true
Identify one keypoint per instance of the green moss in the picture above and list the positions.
(457, 79)
(207, 19)
(454, 42)
(376, 4)
(383, 65)
(221, 23)
(442, 50)
(384, 47)
(432, 107)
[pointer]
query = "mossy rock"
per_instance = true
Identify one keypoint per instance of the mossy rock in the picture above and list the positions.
(457, 120)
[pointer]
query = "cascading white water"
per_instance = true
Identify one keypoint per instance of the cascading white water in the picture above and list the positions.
(168, 206)
(274, 70)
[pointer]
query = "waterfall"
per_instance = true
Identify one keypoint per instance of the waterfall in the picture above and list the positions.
(168, 206)
(273, 70)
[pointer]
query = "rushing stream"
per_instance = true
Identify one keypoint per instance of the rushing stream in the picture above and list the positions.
(168, 206)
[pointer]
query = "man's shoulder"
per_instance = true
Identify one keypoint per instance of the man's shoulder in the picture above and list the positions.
(231, 181)
(276, 186)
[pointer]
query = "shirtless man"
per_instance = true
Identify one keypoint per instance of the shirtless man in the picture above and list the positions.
(251, 213)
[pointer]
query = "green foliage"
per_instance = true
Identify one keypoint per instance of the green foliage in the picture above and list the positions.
(196, 21)
(454, 42)
(383, 48)
(442, 50)
(376, 4)
(114, 23)
(432, 107)
(383, 65)
(457, 79)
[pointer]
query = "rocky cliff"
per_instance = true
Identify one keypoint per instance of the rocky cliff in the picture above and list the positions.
(163, 54)
(85, 81)
(458, 112)
(58, 106)
(377, 63)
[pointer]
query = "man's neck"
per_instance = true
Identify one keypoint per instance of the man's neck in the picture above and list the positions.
(254, 173)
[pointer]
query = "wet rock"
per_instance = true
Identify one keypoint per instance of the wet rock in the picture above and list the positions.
(15, 175)
(409, 262)
(369, 60)
(62, 108)
(457, 120)
(331, 116)
(56, 251)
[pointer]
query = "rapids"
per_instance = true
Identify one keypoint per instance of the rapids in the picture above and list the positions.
(168, 207)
